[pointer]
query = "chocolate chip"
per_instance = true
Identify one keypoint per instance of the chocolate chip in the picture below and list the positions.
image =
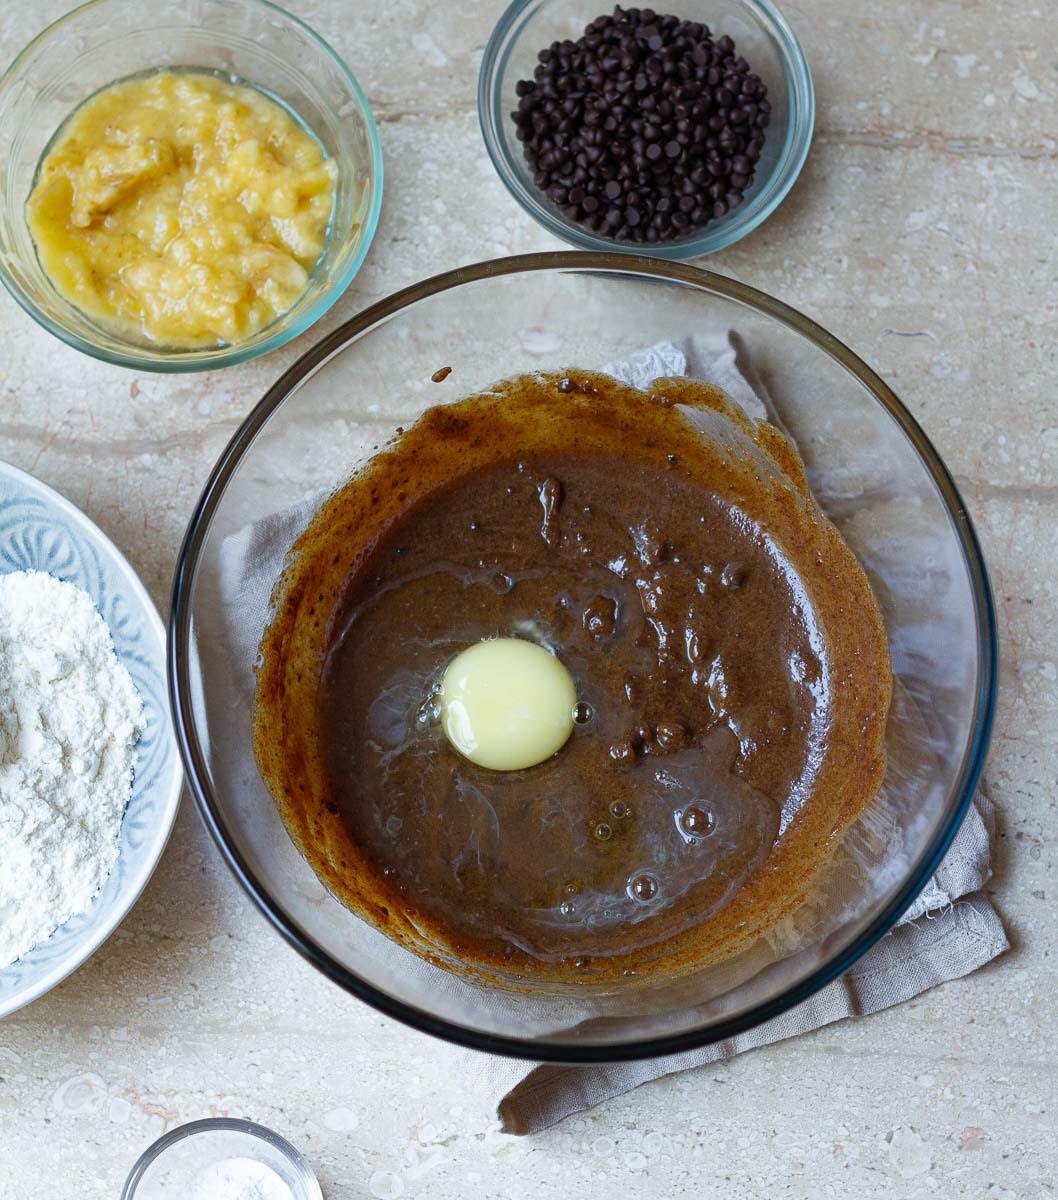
(644, 128)
(600, 618)
(670, 736)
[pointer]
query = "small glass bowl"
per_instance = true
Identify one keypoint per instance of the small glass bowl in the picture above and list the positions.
(167, 1169)
(251, 40)
(761, 34)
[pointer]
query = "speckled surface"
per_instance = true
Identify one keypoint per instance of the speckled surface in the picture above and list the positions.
(923, 234)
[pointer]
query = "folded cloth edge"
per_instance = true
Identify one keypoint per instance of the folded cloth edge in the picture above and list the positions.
(910, 959)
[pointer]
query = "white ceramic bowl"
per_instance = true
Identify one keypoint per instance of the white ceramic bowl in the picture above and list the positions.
(40, 530)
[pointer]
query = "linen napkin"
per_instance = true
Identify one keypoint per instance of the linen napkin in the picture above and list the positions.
(950, 930)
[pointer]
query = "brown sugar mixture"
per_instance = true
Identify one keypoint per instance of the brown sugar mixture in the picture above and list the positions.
(730, 663)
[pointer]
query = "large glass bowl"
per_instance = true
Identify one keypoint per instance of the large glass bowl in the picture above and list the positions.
(251, 40)
(873, 470)
(761, 34)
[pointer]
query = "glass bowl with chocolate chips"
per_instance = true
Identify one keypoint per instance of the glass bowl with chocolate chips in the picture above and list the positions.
(667, 132)
(765, 622)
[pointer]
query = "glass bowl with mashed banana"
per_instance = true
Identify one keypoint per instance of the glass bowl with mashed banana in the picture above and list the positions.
(591, 682)
(185, 185)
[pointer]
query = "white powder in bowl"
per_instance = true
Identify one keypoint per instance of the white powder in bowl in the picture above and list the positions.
(238, 1179)
(70, 718)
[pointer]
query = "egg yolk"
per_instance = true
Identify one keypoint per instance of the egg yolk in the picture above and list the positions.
(507, 704)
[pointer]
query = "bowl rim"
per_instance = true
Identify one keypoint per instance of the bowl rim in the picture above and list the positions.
(308, 1183)
(562, 1051)
(203, 359)
(798, 139)
(172, 790)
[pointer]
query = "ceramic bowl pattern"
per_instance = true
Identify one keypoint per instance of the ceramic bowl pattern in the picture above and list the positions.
(41, 531)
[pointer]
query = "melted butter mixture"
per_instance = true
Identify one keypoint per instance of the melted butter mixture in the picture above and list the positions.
(182, 208)
(729, 662)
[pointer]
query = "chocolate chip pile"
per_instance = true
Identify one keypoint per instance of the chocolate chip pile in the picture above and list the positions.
(645, 128)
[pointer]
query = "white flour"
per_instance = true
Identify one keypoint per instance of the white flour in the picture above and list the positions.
(70, 718)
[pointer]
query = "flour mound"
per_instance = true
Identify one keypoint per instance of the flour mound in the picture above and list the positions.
(70, 718)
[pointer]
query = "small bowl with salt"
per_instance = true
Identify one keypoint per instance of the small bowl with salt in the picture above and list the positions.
(90, 780)
(221, 1158)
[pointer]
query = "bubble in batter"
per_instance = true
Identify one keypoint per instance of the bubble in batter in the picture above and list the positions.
(695, 822)
(643, 887)
(507, 704)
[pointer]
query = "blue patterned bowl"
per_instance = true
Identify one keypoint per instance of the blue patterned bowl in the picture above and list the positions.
(39, 530)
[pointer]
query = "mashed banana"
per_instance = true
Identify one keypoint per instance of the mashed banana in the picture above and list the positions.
(182, 208)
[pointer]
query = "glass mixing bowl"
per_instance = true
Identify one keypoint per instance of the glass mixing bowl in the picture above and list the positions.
(252, 40)
(761, 35)
(872, 469)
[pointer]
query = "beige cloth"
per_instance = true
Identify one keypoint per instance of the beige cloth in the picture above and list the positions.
(950, 930)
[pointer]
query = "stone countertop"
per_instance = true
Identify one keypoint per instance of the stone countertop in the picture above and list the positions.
(922, 233)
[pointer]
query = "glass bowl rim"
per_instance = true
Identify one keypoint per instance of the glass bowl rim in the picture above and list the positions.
(307, 1176)
(180, 691)
(798, 140)
(188, 361)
